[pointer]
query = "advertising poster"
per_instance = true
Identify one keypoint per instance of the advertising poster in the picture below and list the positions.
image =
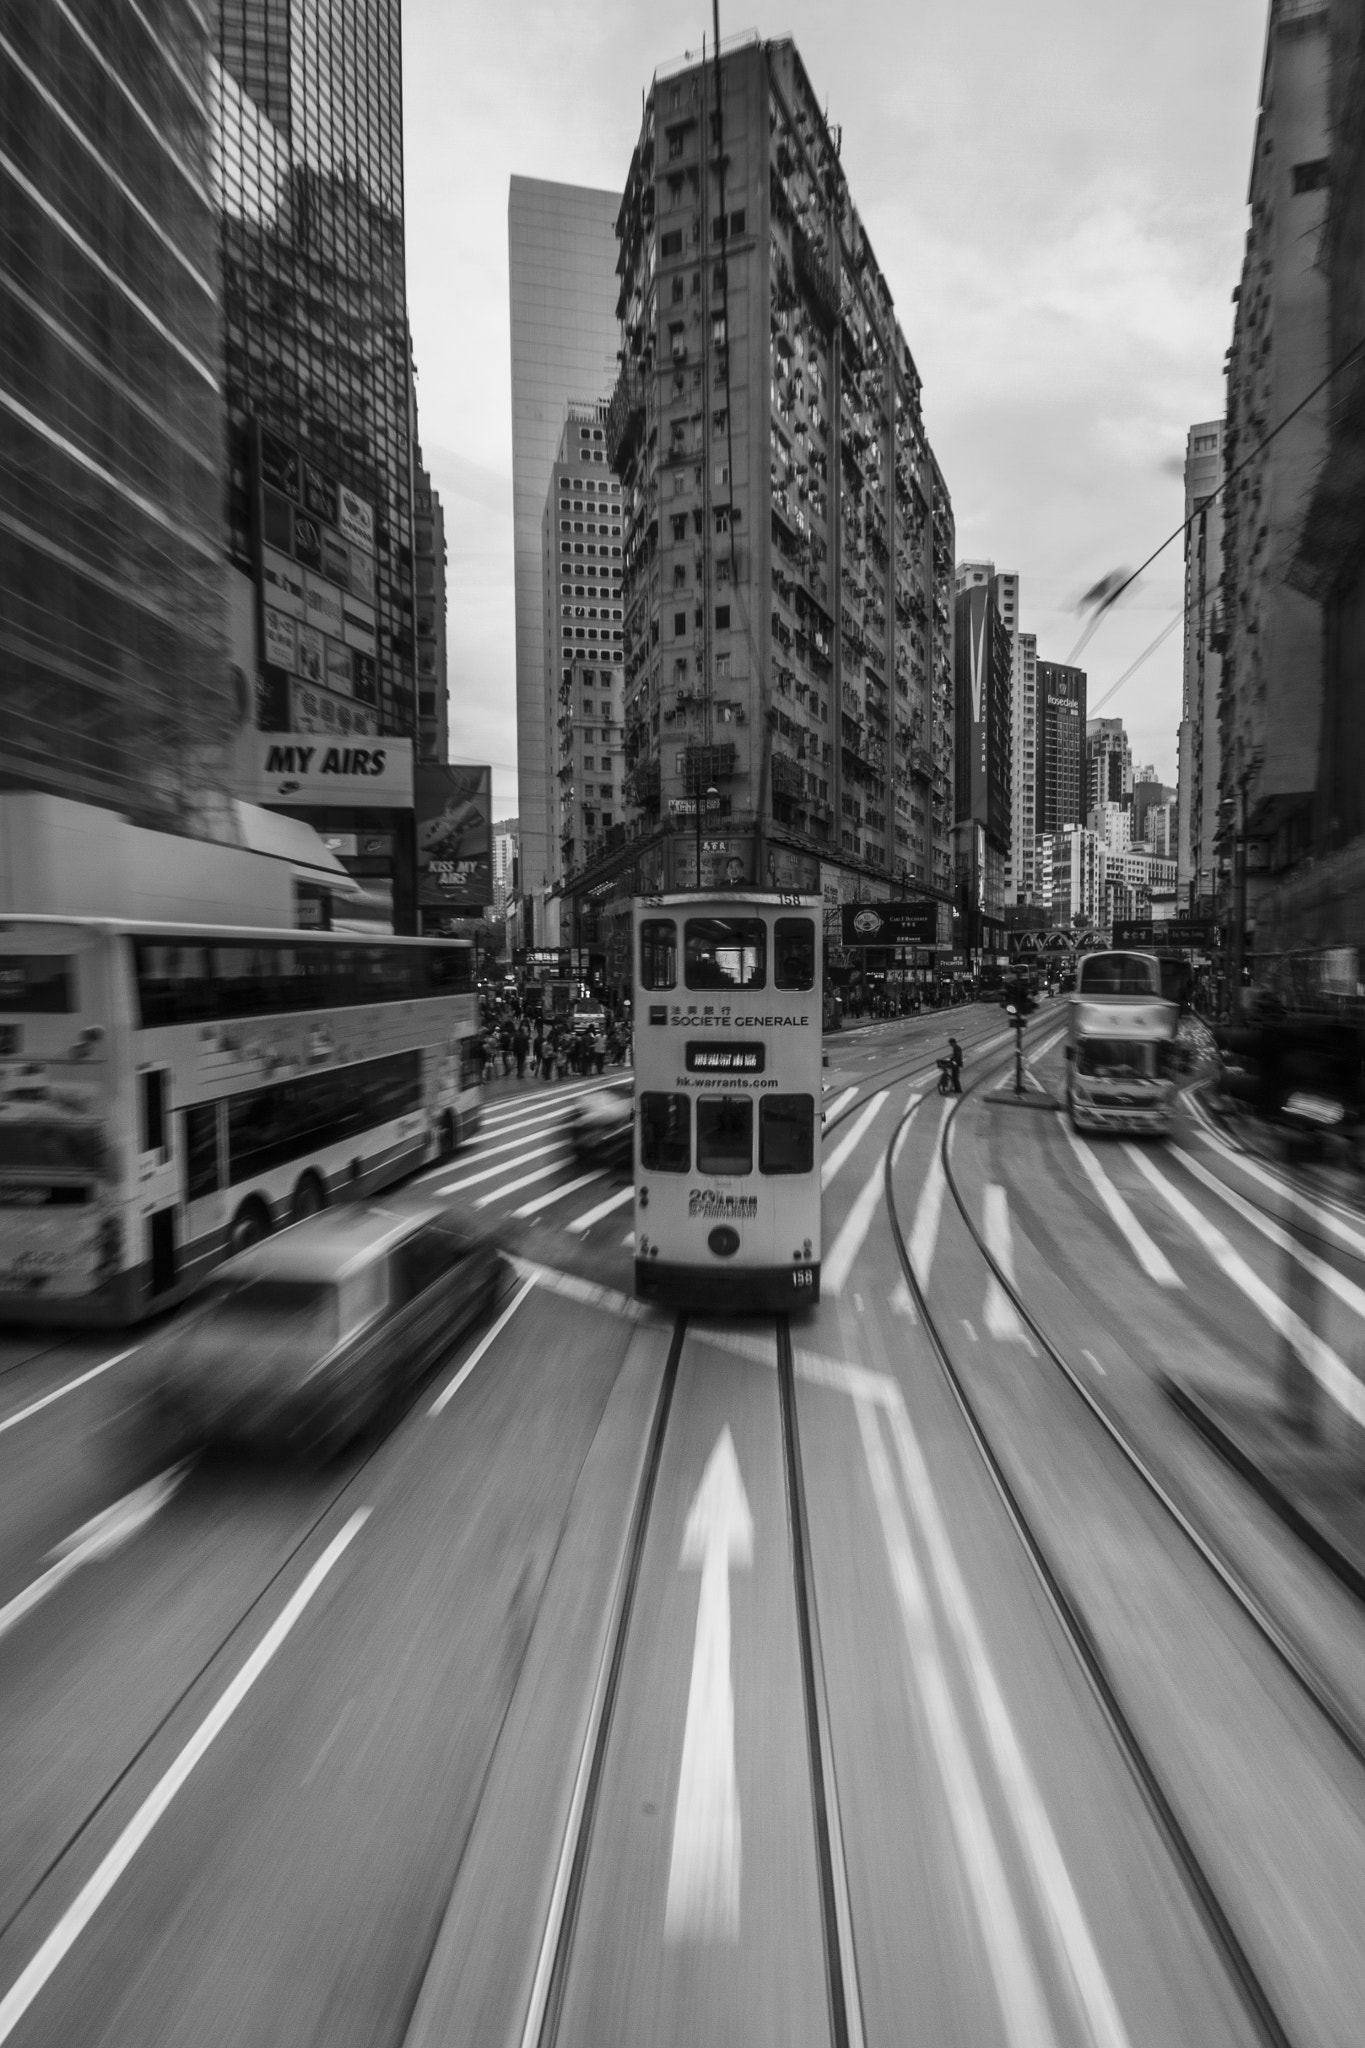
(454, 837)
(310, 654)
(318, 711)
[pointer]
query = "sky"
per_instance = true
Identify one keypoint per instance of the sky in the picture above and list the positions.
(1056, 194)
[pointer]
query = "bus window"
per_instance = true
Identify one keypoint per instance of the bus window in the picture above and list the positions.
(658, 953)
(202, 1175)
(665, 1138)
(725, 1134)
(786, 1134)
(36, 984)
(727, 952)
(1118, 974)
(794, 953)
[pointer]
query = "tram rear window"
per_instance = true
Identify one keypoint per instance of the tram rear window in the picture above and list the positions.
(725, 1134)
(794, 952)
(786, 1134)
(665, 1134)
(727, 952)
(658, 953)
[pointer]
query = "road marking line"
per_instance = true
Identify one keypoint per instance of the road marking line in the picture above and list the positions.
(574, 1287)
(570, 1187)
(477, 1155)
(1324, 1214)
(68, 1387)
(1331, 1373)
(1019, 1994)
(970, 1328)
(1040, 1051)
(525, 1180)
(629, 1240)
(449, 1392)
(1001, 1316)
(840, 1102)
(591, 1216)
(704, 1866)
(901, 1302)
(1095, 1362)
(546, 1112)
(928, 1210)
(1033, 1829)
(838, 1260)
(1150, 1256)
(98, 1886)
(529, 1104)
(913, 1102)
(849, 1142)
(472, 1180)
(1345, 1290)
(100, 1537)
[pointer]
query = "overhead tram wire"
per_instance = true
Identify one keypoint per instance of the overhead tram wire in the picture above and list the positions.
(1344, 363)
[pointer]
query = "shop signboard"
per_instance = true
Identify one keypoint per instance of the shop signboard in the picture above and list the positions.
(1175, 931)
(356, 520)
(319, 493)
(322, 602)
(321, 711)
(889, 924)
(301, 769)
(454, 837)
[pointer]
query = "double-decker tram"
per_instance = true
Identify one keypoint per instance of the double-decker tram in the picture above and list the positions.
(728, 1014)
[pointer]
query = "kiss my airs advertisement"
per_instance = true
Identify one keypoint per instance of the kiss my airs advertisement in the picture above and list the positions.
(454, 838)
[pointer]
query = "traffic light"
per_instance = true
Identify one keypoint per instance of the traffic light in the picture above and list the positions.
(1019, 1005)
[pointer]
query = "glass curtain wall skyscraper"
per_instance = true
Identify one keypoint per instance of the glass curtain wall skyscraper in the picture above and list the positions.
(117, 687)
(309, 188)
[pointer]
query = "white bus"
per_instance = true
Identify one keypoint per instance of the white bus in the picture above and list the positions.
(170, 1094)
(1121, 1047)
(727, 1016)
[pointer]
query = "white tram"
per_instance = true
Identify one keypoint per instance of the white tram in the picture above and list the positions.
(727, 1024)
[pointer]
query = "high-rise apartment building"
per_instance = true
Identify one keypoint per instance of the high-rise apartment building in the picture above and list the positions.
(1108, 764)
(1060, 800)
(309, 190)
(429, 557)
(113, 643)
(1271, 696)
(983, 655)
(1199, 758)
(563, 284)
(1004, 584)
(581, 555)
(789, 538)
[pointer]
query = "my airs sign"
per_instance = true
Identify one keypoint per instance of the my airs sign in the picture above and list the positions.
(303, 768)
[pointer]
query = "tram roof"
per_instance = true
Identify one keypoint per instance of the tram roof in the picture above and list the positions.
(729, 900)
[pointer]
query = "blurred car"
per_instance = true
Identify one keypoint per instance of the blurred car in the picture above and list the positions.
(587, 1014)
(601, 1128)
(298, 1344)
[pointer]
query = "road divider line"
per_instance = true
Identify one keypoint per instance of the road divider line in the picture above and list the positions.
(591, 1216)
(999, 1314)
(1322, 1270)
(525, 1180)
(929, 1208)
(471, 1180)
(107, 1873)
(1330, 1371)
(67, 1387)
(838, 1261)
(1072, 1940)
(570, 1187)
(1041, 1051)
(1322, 1213)
(840, 1102)
(452, 1388)
(1148, 1253)
(1023, 2009)
(100, 1537)
(849, 1143)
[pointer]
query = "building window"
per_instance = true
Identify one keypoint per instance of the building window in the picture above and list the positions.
(722, 618)
(679, 625)
(1311, 177)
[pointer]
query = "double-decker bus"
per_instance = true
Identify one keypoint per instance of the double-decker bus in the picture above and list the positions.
(1121, 1051)
(170, 1094)
(728, 1015)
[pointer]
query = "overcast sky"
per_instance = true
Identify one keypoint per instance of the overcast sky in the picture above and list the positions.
(1055, 190)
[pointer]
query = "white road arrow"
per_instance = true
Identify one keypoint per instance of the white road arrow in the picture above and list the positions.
(703, 1876)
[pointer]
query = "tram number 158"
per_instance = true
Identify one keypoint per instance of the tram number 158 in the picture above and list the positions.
(803, 1277)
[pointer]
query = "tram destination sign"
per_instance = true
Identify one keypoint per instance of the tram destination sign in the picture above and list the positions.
(890, 924)
(733, 1058)
(1171, 931)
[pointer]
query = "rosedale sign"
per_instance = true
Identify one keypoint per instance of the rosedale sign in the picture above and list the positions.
(300, 768)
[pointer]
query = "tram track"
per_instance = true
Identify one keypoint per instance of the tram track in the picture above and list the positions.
(925, 1062)
(545, 2010)
(1256, 1999)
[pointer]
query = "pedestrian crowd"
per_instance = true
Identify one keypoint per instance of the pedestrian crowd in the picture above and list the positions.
(550, 1049)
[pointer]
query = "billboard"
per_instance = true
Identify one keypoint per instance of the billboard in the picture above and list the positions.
(454, 837)
(890, 924)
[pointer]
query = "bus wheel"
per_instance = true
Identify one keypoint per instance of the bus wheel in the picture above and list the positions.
(249, 1226)
(309, 1196)
(447, 1135)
